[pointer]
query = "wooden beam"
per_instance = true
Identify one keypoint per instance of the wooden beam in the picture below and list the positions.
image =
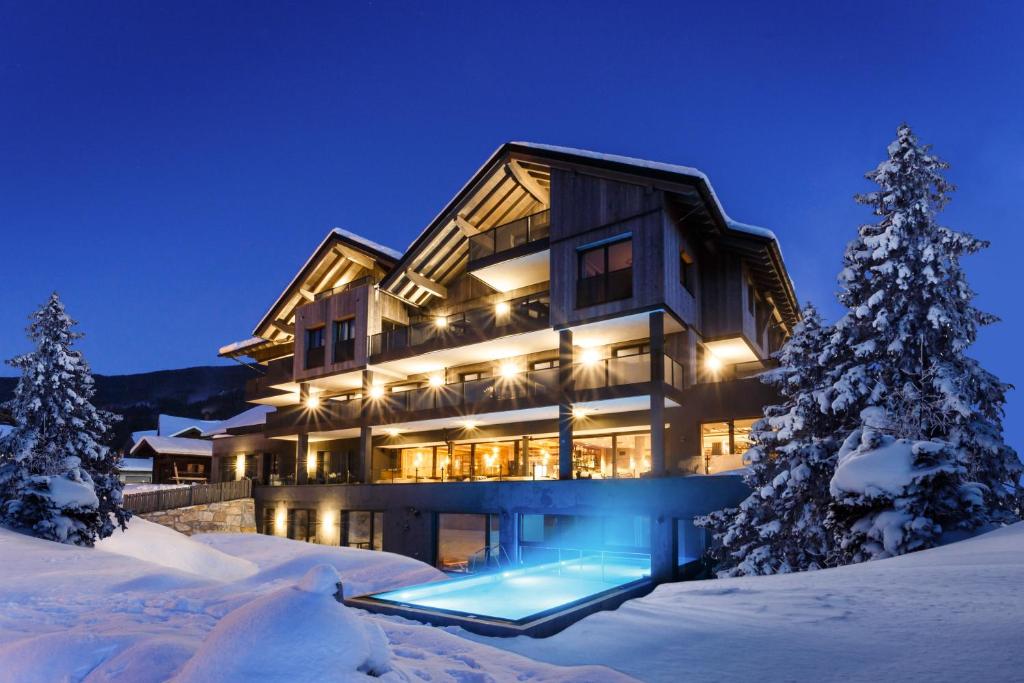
(528, 182)
(467, 228)
(306, 294)
(427, 284)
(283, 327)
(356, 256)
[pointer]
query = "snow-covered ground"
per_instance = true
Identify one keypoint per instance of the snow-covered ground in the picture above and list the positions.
(949, 614)
(140, 607)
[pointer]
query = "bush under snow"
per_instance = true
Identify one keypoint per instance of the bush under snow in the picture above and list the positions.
(304, 634)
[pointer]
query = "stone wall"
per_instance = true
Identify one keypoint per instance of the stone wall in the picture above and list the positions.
(233, 516)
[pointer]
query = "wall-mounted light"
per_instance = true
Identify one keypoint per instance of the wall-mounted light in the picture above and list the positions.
(437, 380)
(469, 424)
(502, 308)
(440, 321)
(590, 356)
(313, 401)
(240, 465)
(376, 391)
(580, 412)
(281, 521)
(508, 369)
(712, 362)
(392, 432)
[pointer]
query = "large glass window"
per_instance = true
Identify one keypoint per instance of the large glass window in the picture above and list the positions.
(315, 347)
(542, 459)
(619, 532)
(632, 455)
(302, 525)
(362, 529)
(494, 460)
(605, 273)
(344, 334)
(466, 542)
(592, 457)
(724, 443)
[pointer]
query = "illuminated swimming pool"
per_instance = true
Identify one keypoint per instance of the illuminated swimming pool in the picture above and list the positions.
(520, 595)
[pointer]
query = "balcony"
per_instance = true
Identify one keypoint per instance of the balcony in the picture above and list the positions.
(599, 289)
(524, 314)
(314, 357)
(518, 238)
(278, 371)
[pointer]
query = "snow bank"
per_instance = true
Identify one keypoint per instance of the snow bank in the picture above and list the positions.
(145, 540)
(300, 633)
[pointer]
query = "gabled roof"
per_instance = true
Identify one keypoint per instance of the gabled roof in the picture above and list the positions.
(174, 425)
(256, 415)
(173, 445)
(514, 179)
(342, 257)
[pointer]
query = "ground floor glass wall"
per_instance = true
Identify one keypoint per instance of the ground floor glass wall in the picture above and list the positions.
(467, 542)
(724, 443)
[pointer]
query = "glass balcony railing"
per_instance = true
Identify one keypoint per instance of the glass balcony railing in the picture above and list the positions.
(477, 324)
(506, 237)
(599, 289)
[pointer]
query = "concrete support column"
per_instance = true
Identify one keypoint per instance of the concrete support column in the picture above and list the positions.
(657, 329)
(301, 455)
(365, 467)
(566, 389)
(508, 537)
(663, 548)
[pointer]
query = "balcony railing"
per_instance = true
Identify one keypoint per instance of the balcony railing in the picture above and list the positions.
(510, 236)
(278, 371)
(478, 324)
(599, 289)
(365, 280)
(344, 350)
(315, 357)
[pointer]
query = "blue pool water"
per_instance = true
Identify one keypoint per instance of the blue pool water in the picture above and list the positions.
(520, 593)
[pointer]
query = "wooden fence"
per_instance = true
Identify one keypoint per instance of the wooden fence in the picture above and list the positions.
(197, 494)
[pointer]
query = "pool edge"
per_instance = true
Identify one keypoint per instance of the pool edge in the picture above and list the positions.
(544, 625)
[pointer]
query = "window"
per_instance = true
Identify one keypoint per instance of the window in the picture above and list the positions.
(315, 347)
(626, 351)
(544, 364)
(466, 542)
(344, 340)
(541, 534)
(302, 525)
(605, 273)
(686, 271)
(470, 376)
(362, 529)
(724, 443)
(269, 521)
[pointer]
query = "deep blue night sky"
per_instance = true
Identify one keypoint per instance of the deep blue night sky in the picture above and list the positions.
(168, 167)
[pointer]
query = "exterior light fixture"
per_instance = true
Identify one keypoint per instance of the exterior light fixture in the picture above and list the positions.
(508, 369)
(392, 432)
(580, 412)
(240, 465)
(441, 322)
(376, 391)
(590, 356)
(713, 363)
(312, 401)
(469, 424)
(437, 380)
(502, 308)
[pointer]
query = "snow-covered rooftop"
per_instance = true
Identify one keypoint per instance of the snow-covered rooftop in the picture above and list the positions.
(176, 445)
(234, 347)
(172, 425)
(370, 244)
(256, 415)
(136, 465)
(656, 166)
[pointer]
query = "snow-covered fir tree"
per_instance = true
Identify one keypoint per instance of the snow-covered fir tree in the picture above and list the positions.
(900, 348)
(780, 528)
(57, 478)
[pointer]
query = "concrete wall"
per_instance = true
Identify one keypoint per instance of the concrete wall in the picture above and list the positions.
(233, 516)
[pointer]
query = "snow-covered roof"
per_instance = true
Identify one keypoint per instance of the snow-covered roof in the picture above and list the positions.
(235, 347)
(368, 243)
(656, 166)
(256, 415)
(172, 425)
(145, 432)
(175, 445)
(136, 465)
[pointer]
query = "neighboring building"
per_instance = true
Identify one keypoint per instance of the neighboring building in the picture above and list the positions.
(136, 470)
(176, 460)
(181, 449)
(571, 336)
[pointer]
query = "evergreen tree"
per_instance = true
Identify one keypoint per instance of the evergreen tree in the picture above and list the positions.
(779, 528)
(57, 478)
(901, 346)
